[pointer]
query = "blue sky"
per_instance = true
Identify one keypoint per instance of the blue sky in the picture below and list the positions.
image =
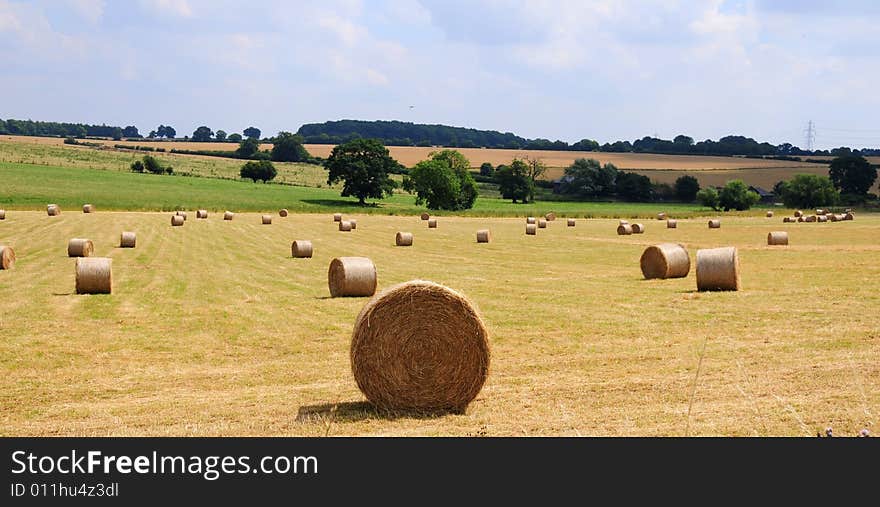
(567, 70)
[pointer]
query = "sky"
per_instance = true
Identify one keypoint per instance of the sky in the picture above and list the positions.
(604, 70)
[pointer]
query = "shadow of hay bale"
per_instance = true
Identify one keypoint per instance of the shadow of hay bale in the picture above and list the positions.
(353, 411)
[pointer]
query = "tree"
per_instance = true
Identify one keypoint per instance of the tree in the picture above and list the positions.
(137, 166)
(153, 165)
(588, 178)
(633, 187)
(536, 169)
(130, 131)
(809, 191)
(686, 188)
(116, 133)
(443, 182)
(166, 131)
(202, 135)
(234, 138)
(363, 166)
(288, 148)
(513, 181)
(262, 170)
(152, 134)
(220, 136)
(248, 148)
(683, 142)
(852, 174)
(252, 132)
(736, 195)
(585, 145)
(709, 198)
(486, 169)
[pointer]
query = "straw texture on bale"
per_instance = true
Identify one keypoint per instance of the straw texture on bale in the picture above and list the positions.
(2, 214)
(7, 257)
(811, 218)
(177, 220)
(127, 239)
(798, 213)
(484, 236)
(337, 217)
(420, 346)
(718, 269)
(88, 208)
(769, 214)
(638, 228)
(550, 216)
(661, 216)
(80, 247)
(182, 214)
(425, 216)
(432, 223)
(666, 260)
(531, 220)
(715, 224)
(53, 210)
(624, 230)
(777, 238)
(283, 212)
(571, 222)
(94, 275)
(531, 229)
(345, 226)
(403, 239)
(849, 216)
(202, 213)
(301, 248)
(542, 224)
(267, 219)
(228, 215)
(822, 219)
(352, 276)
(354, 223)
(671, 224)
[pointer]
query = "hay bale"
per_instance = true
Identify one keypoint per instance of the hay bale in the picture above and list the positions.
(572, 222)
(228, 215)
(671, 223)
(822, 219)
(624, 230)
(267, 219)
(798, 213)
(484, 236)
(2, 214)
(425, 216)
(127, 239)
(718, 269)
(769, 214)
(337, 217)
(201, 214)
(531, 229)
(811, 218)
(801, 218)
(301, 248)
(354, 223)
(420, 346)
(550, 217)
(403, 239)
(715, 224)
(53, 210)
(833, 216)
(777, 238)
(352, 276)
(283, 212)
(542, 223)
(661, 216)
(94, 275)
(638, 228)
(531, 220)
(820, 211)
(345, 226)
(181, 214)
(7, 257)
(788, 219)
(623, 222)
(177, 220)
(80, 247)
(432, 223)
(849, 216)
(666, 260)
(88, 208)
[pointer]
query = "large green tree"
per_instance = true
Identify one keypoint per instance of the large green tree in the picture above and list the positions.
(261, 170)
(736, 195)
(686, 188)
(852, 174)
(288, 148)
(443, 182)
(363, 166)
(248, 148)
(202, 134)
(514, 182)
(588, 178)
(633, 187)
(808, 191)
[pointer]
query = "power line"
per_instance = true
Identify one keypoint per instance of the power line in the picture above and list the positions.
(810, 132)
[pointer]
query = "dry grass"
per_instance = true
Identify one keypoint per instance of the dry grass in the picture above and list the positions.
(212, 329)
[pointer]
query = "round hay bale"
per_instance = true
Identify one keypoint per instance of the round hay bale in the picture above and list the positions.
(181, 214)
(345, 226)
(666, 260)
(403, 239)
(228, 215)
(301, 248)
(624, 230)
(80, 247)
(531, 220)
(715, 224)
(53, 210)
(820, 211)
(661, 216)
(769, 214)
(638, 228)
(352, 276)
(550, 217)
(283, 212)
(822, 219)
(432, 223)
(127, 239)
(484, 236)
(834, 217)
(267, 219)
(718, 269)
(542, 223)
(788, 219)
(7, 257)
(420, 346)
(572, 222)
(798, 213)
(811, 218)
(202, 213)
(337, 217)
(849, 216)
(425, 216)
(354, 223)
(88, 208)
(531, 229)
(94, 275)
(801, 218)
(671, 223)
(2, 214)
(777, 238)
(177, 220)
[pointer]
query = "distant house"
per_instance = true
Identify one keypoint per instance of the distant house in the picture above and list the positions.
(766, 196)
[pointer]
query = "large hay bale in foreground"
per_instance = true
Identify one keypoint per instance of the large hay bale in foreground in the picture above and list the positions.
(345, 226)
(531, 229)
(666, 260)
(80, 247)
(661, 216)
(432, 223)
(718, 269)
(352, 276)
(769, 214)
(484, 236)
(798, 213)
(638, 228)
(550, 217)
(7, 257)
(88, 208)
(403, 239)
(94, 275)
(542, 223)
(420, 346)
(127, 239)
(177, 220)
(228, 215)
(425, 216)
(283, 212)
(671, 224)
(624, 230)
(337, 217)
(777, 238)
(201, 214)
(715, 224)
(301, 248)
(267, 219)
(572, 222)
(53, 210)
(531, 220)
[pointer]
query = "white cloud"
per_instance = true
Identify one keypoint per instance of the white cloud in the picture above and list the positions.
(179, 8)
(91, 10)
